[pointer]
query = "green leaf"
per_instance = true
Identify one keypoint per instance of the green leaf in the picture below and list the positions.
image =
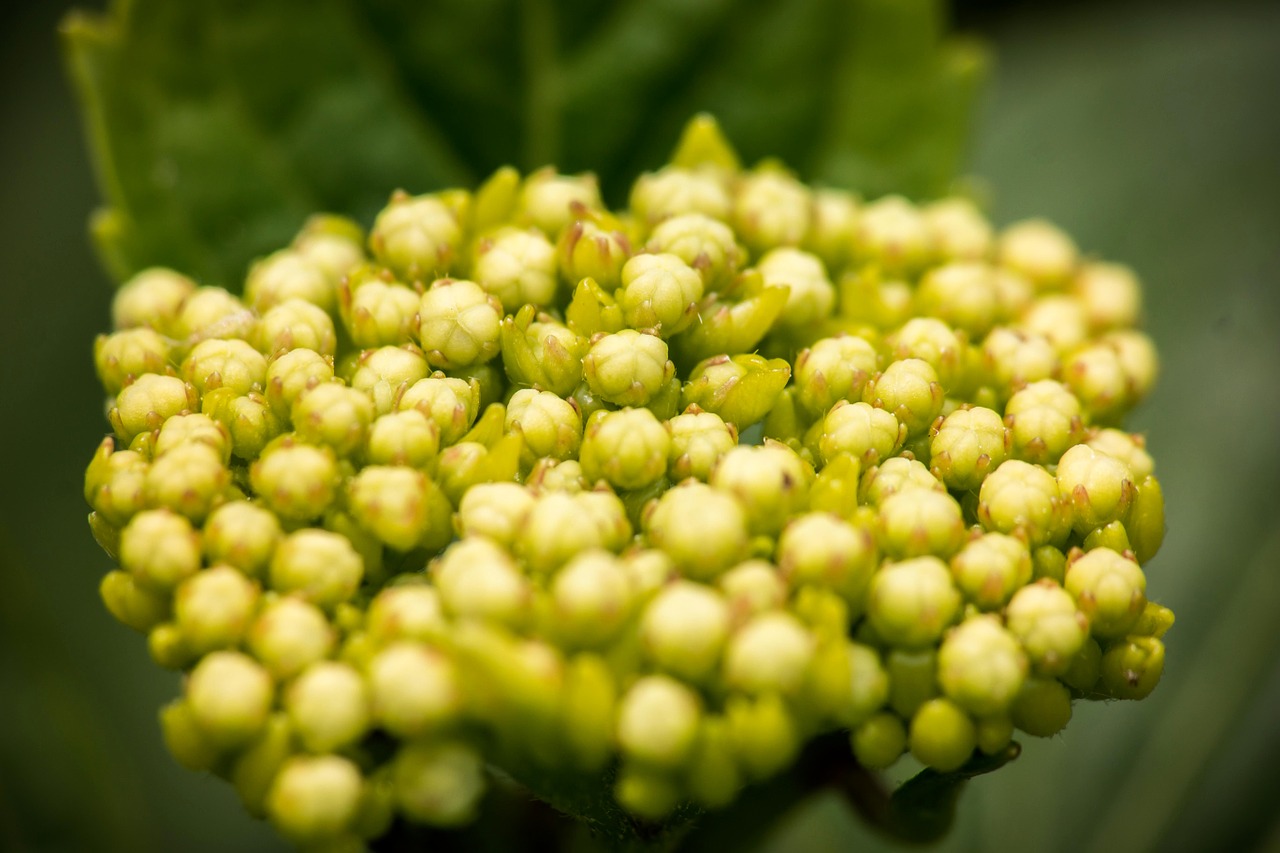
(216, 126)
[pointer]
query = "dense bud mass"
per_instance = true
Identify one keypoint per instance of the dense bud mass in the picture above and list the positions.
(644, 500)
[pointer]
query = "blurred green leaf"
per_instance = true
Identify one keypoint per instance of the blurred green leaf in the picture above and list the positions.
(217, 125)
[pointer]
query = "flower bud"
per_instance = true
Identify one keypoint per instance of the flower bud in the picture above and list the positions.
(981, 667)
(1128, 448)
(962, 294)
(193, 428)
(224, 364)
(741, 389)
(764, 734)
(771, 208)
(822, 549)
(1019, 498)
(892, 235)
(211, 312)
(147, 402)
(942, 735)
(628, 448)
(713, 777)
(1044, 420)
(1111, 295)
(1045, 620)
(478, 580)
(139, 607)
(648, 793)
(295, 324)
(752, 588)
(378, 313)
(910, 604)
(1038, 250)
(554, 530)
(1110, 589)
(314, 798)
(703, 243)
(589, 701)
(297, 482)
(1098, 487)
(241, 534)
(230, 696)
(698, 440)
(1145, 525)
(734, 326)
(957, 230)
(1058, 318)
(810, 294)
(190, 479)
(769, 655)
(386, 373)
(833, 369)
(287, 275)
(627, 368)
(893, 475)
(189, 745)
(879, 741)
(452, 404)
(770, 481)
(991, 568)
(151, 298)
(967, 445)
(292, 373)
(658, 722)
(673, 190)
(909, 389)
(438, 783)
(860, 430)
(1138, 360)
(1043, 707)
(590, 249)
(122, 357)
(328, 706)
(406, 438)
(416, 236)
(517, 266)
(704, 531)
(833, 219)
(413, 689)
(1131, 668)
(919, 522)
(592, 599)
(684, 629)
(1096, 376)
(867, 687)
(1013, 358)
(659, 292)
(213, 608)
(114, 481)
(160, 549)
(458, 324)
(320, 566)
(548, 200)
(334, 415)
(400, 506)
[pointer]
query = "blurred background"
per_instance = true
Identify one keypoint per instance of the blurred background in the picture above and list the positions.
(1149, 131)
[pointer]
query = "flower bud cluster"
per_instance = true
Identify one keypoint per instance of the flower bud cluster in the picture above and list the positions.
(658, 494)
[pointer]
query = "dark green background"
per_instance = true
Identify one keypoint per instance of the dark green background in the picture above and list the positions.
(1150, 131)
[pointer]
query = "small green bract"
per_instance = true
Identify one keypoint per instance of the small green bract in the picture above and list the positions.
(644, 499)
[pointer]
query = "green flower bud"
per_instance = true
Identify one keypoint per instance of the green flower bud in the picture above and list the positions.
(451, 404)
(628, 448)
(413, 689)
(741, 389)
(458, 324)
(1048, 562)
(589, 702)
(698, 440)
(495, 510)
(835, 489)
(592, 599)
(1111, 295)
(1128, 448)
(658, 722)
(1043, 707)
(190, 479)
(320, 566)
(1038, 250)
(684, 630)
(289, 635)
(769, 655)
(550, 201)
(256, 768)
(878, 742)
(378, 313)
(893, 475)
(770, 481)
(649, 794)
(866, 686)
(285, 275)
(963, 294)
(591, 249)
(1044, 420)
(411, 611)
(314, 798)
(517, 266)
(957, 230)
(673, 190)
(292, 373)
(1146, 520)
(1110, 589)
(213, 608)
(833, 219)
(763, 732)
(477, 579)
(981, 667)
(942, 735)
(659, 292)
(703, 243)
(295, 324)
(554, 530)
(416, 236)
(185, 740)
(152, 298)
(122, 357)
(736, 326)
(1095, 375)
(106, 534)
(867, 433)
(704, 531)
(919, 522)
(113, 482)
(160, 549)
(810, 294)
(139, 607)
(297, 482)
(752, 588)
(771, 208)
(833, 369)
(439, 784)
(713, 777)
(910, 390)
(592, 310)
(211, 312)
(911, 603)
(1138, 360)
(892, 235)
(230, 696)
(247, 419)
(1020, 498)
(147, 402)
(913, 678)
(994, 733)
(401, 506)
(1058, 318)
(1097, 486)
(627, 368)
(385, 374)
(822, 549)
(194, 428)
(406, 438)
(1015, 293)
(1131, 668)
(1084, 670)
(968, 444)
(991, 568)
(1014, 358)
(328, 706)
(545, 355)
(1045, 620)
(331, 241)
(334, 415)
(866, 297)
